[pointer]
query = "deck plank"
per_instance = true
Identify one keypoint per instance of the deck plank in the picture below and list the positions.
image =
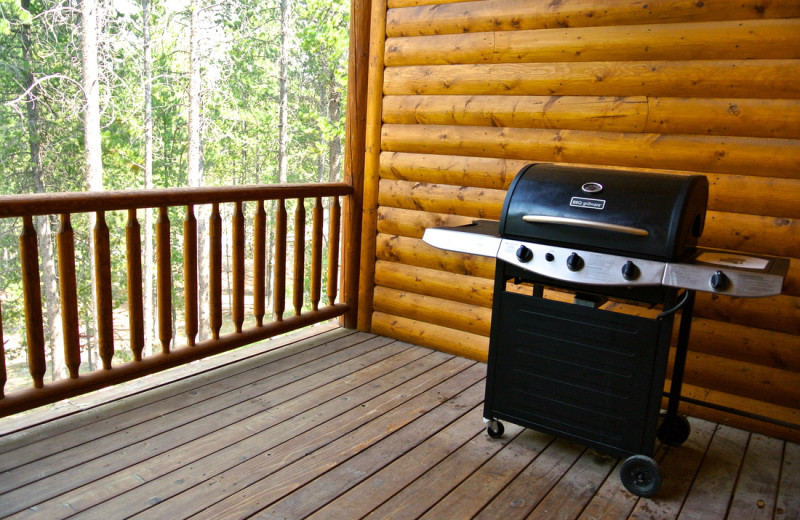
(679, 468)
(351, 425)
(755, 494)
(788, 503)
(416, 498)
(470, 496)
(522, 495)
(575, 490)
(710, 494)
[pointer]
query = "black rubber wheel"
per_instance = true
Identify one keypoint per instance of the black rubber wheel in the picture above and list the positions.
(675, 432)
(640, 475)
(495, 429)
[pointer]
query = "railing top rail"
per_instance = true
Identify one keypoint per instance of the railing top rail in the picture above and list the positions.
(81, 202)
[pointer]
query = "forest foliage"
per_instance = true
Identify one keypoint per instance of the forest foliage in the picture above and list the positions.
(239, 52)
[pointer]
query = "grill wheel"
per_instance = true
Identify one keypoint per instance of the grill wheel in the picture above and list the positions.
(640, 475)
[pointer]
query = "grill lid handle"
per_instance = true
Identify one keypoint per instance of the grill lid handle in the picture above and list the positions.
(544, 219)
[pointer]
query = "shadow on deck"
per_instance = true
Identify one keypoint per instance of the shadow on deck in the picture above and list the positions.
(343, 424)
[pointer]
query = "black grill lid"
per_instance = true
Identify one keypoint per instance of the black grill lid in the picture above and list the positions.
(634, 213)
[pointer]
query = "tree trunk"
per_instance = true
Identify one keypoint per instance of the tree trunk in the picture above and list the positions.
(93, 152)
(283, 84)
(149, 307)
(55, 334)
(335, 145)
(195, 165)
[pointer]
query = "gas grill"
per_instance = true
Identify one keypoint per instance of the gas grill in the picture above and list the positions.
(563, 362)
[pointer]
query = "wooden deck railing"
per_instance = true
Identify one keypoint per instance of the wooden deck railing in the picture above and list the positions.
(65, 205)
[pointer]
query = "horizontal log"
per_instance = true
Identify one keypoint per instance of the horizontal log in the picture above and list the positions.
(626, 114)
(751, 345)
(752, 233)
(432, 282)
(75, 202)
(414, 3)
(762, 79)
(744, 194)
(477, 172)
(735, 377)
(727, 192)
(411, 251)
(470, 346)
(743, 117)
(784, 415)
(412, 223)
(735, 39)
(509, 15)
(773, 118)
(459, 316)
(779, 313)
(442, 198)
(708, 154)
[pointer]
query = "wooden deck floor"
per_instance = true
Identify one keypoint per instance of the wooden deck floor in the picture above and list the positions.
(350, 425)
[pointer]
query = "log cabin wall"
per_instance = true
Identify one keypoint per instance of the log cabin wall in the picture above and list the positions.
(463, 94)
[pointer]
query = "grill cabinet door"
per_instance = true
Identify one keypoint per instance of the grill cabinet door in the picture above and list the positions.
(581, 373)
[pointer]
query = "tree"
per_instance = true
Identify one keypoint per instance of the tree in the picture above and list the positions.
(54, 336)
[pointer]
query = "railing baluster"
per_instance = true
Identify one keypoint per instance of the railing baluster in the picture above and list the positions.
(333, 250)
(68, 288)
(259, 262)
(299, 254)
(3, 374)
(133, 245)
(316, 255)
(190, 276)
(29, 258)
(164, 276)
(237, 240)
(215, 271)
(105, 305)
(279, 282)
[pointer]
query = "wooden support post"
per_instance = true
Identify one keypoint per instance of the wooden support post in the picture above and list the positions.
(164, 293)
(237, 240)
(279, 278)
(299, 255)
(259, 263)
(105, 303)
(355, 132)
(133, 239)
(371, 164)
(316, 254)
(333, 249)
(3, 375)
(190, 275)
(215, 271)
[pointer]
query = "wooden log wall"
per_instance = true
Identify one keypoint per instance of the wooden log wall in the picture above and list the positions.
(463, 94)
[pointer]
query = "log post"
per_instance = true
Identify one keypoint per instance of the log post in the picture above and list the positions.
(133, 255)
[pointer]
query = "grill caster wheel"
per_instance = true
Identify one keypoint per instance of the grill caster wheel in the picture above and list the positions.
(640, 475)
(674, 432)
(494, 428)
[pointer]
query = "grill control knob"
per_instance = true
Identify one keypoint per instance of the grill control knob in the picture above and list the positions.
(574, 262)
(524, 254)
(630, 271)
(719, 281)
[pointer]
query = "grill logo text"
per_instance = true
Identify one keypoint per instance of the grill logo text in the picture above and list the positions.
(582, 202)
